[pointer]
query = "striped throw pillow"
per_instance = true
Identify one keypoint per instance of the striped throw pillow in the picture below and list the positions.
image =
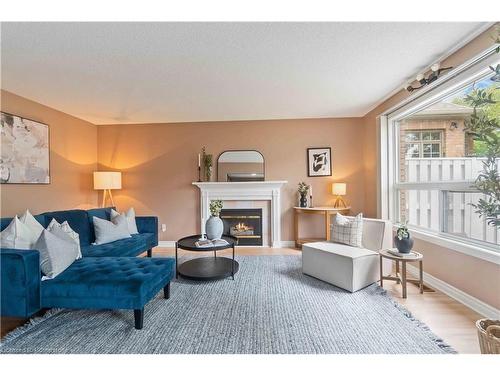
(348, 231)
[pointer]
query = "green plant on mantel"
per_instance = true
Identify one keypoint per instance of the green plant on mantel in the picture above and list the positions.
(207, 164)
(486, 129)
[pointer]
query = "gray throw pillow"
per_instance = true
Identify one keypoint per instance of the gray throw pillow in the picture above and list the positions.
(130, 215)
(56, 254)
(64, 231)
(106, 231)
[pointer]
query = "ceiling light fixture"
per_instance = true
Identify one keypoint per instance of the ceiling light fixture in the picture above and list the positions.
(436, 72)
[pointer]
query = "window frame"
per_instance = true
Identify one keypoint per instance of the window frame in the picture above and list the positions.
(388, 153)
(421, 142)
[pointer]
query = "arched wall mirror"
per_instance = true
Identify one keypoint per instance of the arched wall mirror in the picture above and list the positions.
(240, 165)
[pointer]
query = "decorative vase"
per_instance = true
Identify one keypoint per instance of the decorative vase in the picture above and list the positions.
(303, 200)
(214, 228)
(405, 245)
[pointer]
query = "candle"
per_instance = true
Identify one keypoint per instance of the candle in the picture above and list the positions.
(310, 196)
(199, 160)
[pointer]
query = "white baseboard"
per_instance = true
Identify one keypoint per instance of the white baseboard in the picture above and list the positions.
(288, 244)
(166, 243)
(473, 303)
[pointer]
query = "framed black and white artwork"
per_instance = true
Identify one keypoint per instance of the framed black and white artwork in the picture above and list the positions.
(25, 156)
(319, 162)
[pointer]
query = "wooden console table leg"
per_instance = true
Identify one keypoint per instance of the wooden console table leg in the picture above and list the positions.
(296, 228)
(397, 270)
(327, 225)
(403, 278)
(421, 266)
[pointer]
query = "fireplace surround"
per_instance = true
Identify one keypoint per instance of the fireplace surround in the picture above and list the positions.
(245, 191)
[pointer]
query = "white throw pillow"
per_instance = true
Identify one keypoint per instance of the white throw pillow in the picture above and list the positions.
(348, 231)
(35, 227)
(106, 231)
(130, 215)
(64, 228)
(56, 254)
(17, 235)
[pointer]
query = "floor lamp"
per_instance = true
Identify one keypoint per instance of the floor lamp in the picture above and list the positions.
(107, 181)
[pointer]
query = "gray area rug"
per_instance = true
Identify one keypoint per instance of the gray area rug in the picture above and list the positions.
(270, 307)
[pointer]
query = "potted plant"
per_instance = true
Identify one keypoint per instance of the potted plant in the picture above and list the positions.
(207, 165)
(403, 241)
(214, 226)
(303, 189)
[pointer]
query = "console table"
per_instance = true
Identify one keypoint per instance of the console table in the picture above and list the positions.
(326, 211)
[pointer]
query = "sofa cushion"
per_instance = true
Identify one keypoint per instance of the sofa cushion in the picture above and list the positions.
(35, 227)
(56, 253)
(341, 249)
(348, 231)
(5, 221)
(78, 221)
(108, 283)
(106, 231)
(101, 213)
(17, 235)
(128, 247)
(349, 268)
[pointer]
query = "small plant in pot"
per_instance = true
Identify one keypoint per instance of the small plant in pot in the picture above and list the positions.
(403, 241)
(303, 189)
(214, 225)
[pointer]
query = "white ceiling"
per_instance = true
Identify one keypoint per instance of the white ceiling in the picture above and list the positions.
(177, 72)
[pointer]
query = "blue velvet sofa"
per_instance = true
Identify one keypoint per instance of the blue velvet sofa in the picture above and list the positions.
(109, 276)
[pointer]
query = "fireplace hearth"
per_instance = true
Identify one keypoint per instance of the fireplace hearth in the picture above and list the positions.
(244, 224)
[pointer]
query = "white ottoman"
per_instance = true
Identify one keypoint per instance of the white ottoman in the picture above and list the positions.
(347, 267)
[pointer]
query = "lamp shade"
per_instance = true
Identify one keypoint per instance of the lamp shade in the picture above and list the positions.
(107, 180)
(338, 188)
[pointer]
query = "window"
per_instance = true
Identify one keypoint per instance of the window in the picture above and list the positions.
(423, 144)
(434, 161)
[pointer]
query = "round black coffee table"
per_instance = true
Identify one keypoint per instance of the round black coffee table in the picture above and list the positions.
(206, 268)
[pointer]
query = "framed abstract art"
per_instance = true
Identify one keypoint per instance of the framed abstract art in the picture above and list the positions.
(319, 161)
(25, 156)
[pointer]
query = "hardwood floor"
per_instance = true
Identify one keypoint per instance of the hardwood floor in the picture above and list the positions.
(447, 318)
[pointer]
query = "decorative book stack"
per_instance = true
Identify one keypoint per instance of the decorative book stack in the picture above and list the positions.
(211, 243)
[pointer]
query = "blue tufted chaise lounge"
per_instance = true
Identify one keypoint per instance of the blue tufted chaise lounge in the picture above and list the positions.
(109, 276)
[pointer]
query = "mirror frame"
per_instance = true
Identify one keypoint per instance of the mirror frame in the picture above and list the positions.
(223, 152)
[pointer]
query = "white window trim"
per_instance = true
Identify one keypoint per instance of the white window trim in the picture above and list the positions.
(388, 185)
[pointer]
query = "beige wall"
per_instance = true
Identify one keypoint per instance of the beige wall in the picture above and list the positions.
(472, 275)
(73, 158)
(159, 163)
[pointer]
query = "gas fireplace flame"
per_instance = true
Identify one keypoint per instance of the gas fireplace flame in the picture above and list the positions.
(241, 227)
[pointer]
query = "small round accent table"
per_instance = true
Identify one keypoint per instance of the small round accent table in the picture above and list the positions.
(401, 278)
(206, 268)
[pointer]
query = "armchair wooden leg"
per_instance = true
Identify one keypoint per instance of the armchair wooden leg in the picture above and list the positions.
(150, 253)
(139, 318)
(166, 291)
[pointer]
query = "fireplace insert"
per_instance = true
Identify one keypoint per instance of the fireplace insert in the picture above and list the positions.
(244, 224)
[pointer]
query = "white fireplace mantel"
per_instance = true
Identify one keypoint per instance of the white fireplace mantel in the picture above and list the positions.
(241, 191)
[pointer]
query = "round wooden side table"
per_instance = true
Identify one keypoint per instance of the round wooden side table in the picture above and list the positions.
(401, 278)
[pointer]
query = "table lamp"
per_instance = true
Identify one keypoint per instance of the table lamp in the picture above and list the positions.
(339, 190)
(107, 181)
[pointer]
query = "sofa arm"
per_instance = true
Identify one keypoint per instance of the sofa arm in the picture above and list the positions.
(148, 224)
(20, 282)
